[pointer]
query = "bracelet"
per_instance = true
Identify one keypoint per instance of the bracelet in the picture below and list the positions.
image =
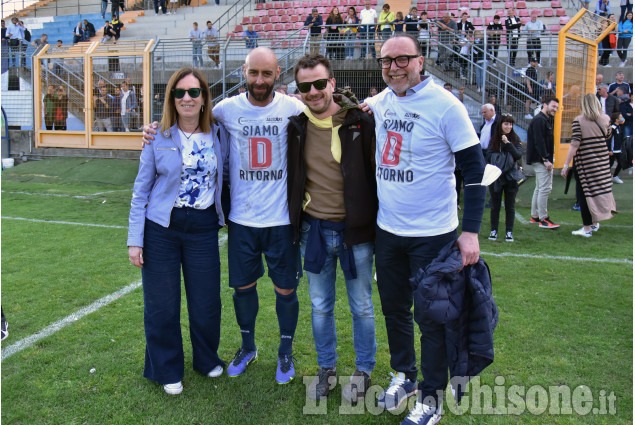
(566, 166)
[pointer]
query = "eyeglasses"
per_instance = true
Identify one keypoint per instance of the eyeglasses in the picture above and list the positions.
(318, 84)
(180, 93)
(400, 61)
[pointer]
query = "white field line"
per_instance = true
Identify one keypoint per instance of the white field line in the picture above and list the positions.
(64, 195)
(51, 329)
(559, 257)
(35, 220)
(617, 226)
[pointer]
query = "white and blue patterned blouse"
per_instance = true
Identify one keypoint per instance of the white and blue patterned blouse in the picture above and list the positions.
(198, 172)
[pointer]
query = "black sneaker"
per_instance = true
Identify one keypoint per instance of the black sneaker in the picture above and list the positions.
(356, 388)
(322, 384)
(509, 237)
(493, 235)
(4, 329)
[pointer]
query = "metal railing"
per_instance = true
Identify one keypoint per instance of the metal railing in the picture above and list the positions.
(57, 8)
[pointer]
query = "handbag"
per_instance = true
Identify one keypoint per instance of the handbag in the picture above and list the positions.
(518, 175)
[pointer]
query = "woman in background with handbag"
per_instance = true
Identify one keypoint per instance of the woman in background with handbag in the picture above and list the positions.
(593, 181)
(503, 151)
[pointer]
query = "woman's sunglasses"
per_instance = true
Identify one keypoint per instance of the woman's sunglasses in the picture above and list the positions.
(180, 93)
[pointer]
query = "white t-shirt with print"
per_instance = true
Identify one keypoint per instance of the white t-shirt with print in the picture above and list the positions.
(258, 158)
(417, 136)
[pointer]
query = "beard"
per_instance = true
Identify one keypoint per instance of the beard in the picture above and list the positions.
(260, 97)
(327, 103)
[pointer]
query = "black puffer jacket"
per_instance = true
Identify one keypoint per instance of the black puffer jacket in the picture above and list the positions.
(462, 301)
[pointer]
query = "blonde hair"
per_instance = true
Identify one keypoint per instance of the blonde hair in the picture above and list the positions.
(591, 107)
(170, 116)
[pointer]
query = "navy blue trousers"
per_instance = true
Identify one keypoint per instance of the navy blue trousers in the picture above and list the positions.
(190, 243)
(397, 259)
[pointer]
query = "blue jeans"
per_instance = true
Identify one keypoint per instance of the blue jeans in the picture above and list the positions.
(322, 293)
(350, 43)
(104, 6)
(197, 54)
(190, 244)
(367, 37)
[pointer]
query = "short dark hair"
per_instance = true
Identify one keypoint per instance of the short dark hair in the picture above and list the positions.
(310, 61)
(496, 17)
(447, 85)
(548, 98)
(208, 22)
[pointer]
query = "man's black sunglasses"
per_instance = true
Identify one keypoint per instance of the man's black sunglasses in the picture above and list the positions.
(401, 61)
(180, 93)
(318, 84)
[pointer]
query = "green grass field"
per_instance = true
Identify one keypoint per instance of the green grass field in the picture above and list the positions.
(564, 321)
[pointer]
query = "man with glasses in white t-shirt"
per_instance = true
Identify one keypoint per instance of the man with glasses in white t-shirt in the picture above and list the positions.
(421, 129)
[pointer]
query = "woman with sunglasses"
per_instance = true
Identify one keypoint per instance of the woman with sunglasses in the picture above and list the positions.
(174, 220)
(504, 144)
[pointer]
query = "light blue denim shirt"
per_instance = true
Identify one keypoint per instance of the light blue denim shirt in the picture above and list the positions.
(157, 184)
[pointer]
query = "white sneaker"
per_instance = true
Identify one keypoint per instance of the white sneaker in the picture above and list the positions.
(509, 237)
(528, 116)
(623, 64)
(173, 389)
(595, 227)
(493, 235)
(216, 372)
(582, 232)
(169, 13)
(618, 180)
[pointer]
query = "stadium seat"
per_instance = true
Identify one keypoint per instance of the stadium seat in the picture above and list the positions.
(278, 27)
(262, 12)
(525, 20)
(288, 4)
(561, 12)
(315, 3)
(509, 4)
(501, 13)
(272, 12)
(247, 19)
(523, 13)
(268, 5)
(285, 18)
(464, 4)
(487, 5)
(564, 20)
(335, 3)
(453, 5)
(265, 20)
(431, 7)
(267, 27)
(556, 4)
(288, 26)
(521, 5)
(306, 4)
(555, 29)
(274, 19)
(548, 13)
(442, 6)
(475, 5)
(258, 27)
(260, 6)
(322, 11)
(278, 5)
(478, 21)
(432, 15)
(298, 25)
